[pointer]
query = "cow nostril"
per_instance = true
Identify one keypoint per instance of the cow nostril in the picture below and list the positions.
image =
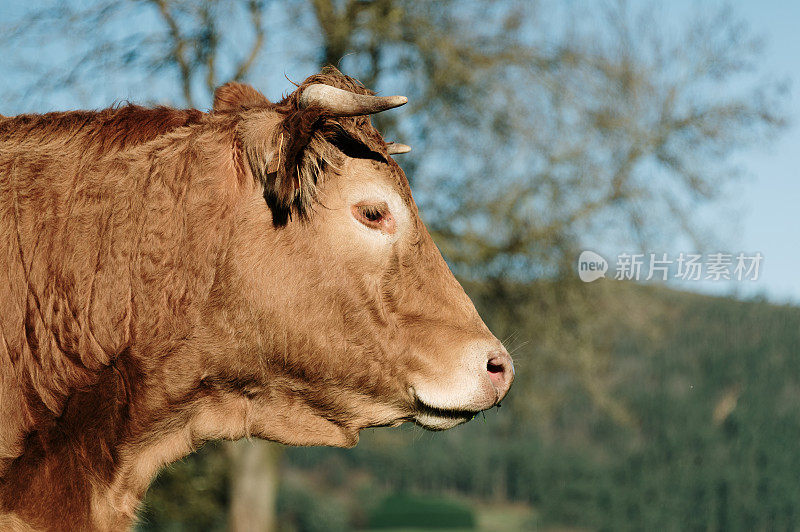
(500, 371)
(494, 367)
(497, 368)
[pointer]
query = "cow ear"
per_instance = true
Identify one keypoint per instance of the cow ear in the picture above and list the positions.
(234, 96)
(289, 157)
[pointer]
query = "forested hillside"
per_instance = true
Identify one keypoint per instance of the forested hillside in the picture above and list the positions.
(700, 432)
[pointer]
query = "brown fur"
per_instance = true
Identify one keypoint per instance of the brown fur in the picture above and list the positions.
(152, 302)
(235, 96)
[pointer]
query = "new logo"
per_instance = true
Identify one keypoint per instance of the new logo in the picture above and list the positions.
(591, 266)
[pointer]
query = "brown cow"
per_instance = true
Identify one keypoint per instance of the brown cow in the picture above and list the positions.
(173, 277)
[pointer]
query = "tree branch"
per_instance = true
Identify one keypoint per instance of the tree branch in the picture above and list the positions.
(178, 49)
(256, 8)
(211, 43)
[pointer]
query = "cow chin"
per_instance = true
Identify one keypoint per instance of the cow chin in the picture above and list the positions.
(443, 418)
(433, 419)
(443, 407)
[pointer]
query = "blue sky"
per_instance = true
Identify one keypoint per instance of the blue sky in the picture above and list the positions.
(770, 195)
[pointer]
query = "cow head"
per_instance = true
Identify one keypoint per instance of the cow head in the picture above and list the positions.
(348, 317)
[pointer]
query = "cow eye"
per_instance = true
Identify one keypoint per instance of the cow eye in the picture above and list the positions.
(375, 216)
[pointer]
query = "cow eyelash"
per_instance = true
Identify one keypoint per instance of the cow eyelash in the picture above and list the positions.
(374, 216)
(372, 213)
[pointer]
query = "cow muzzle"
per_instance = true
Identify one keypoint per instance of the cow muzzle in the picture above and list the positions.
(477, 381)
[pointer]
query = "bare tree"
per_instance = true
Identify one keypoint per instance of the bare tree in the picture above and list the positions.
(188, 41)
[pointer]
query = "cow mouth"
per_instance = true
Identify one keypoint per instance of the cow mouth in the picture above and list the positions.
(433, 418)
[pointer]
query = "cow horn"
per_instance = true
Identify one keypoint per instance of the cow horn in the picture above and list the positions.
(394, 148)
(345, 103)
